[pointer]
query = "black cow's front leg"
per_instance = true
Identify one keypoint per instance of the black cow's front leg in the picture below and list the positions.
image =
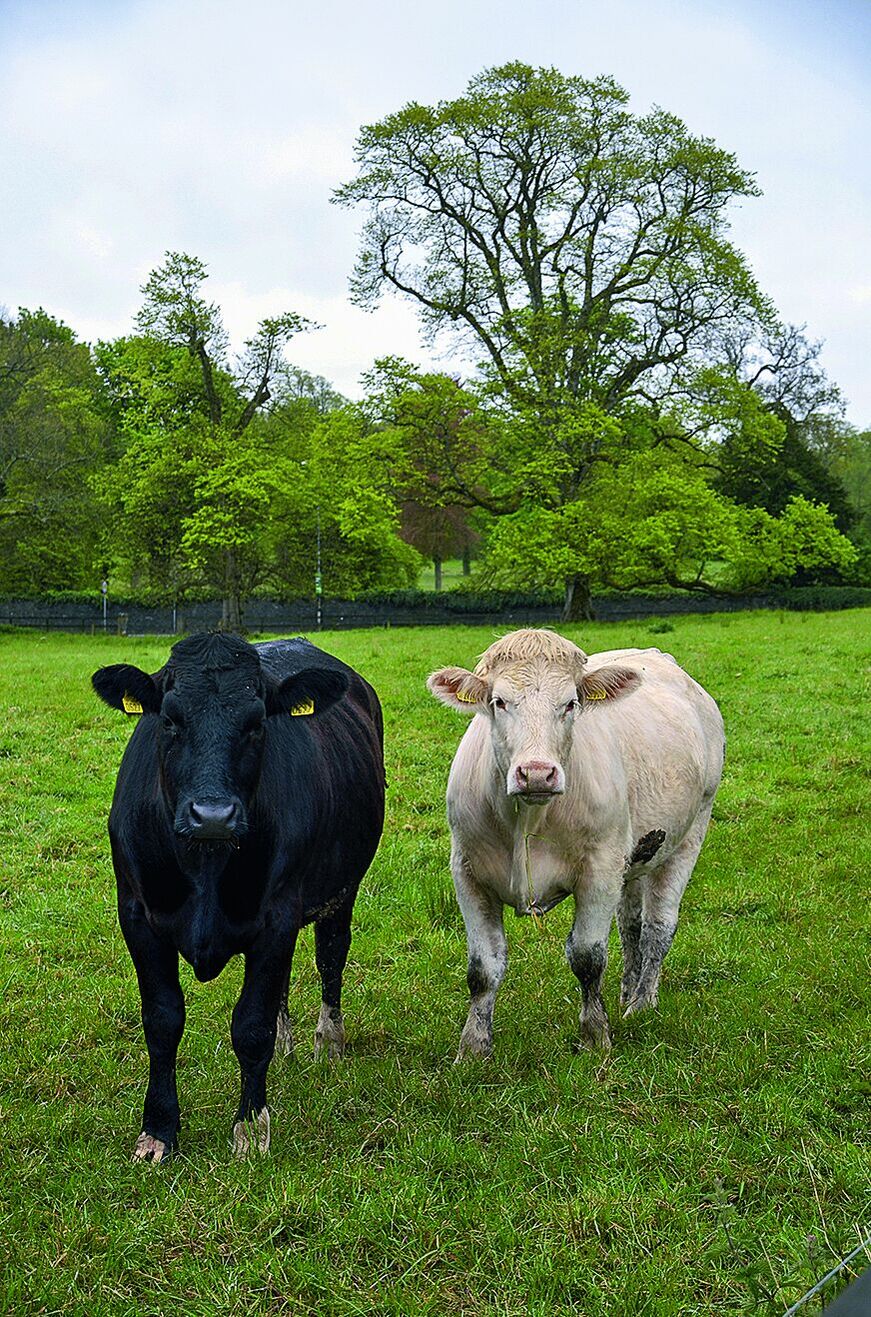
(163, 1016)
(332, 944)
(253, 1031)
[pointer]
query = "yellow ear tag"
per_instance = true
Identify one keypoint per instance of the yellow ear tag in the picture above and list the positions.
(466, 699)
(597, 695)
(131, 705)
(301, 710)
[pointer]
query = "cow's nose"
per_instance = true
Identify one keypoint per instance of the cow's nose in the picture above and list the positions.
(537, 777)
(213, 820)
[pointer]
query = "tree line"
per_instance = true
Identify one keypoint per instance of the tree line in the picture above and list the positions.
(632, 411)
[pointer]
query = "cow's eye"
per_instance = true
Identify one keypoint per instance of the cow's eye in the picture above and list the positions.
(255, 731)
(498, 702)
(169, 726)
(571, 706)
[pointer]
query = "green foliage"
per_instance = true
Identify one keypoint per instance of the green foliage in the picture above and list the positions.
(53, 435)
(718, 1153)
(654, 519)
(528, 214)
(581, 253)
(226, 475)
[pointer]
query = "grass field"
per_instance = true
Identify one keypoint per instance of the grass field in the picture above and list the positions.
(716, 1162)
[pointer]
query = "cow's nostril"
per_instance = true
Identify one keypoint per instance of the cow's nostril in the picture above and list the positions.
(537, 777)
(213, 818)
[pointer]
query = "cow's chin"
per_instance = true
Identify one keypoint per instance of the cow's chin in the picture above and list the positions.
(535, 797)
(208, 846)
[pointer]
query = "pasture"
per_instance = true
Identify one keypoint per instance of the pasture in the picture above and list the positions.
(716, 1161)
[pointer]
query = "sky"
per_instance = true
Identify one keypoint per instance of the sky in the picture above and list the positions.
(129, 128)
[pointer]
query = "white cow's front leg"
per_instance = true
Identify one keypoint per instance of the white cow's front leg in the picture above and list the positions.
(487, 957)
(596, 901)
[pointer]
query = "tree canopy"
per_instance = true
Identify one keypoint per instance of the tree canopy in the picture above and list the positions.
(578, 249)
(580, 254)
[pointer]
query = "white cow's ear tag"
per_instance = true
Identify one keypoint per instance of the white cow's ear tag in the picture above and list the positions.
(597, 695)
(466, 699)
(302, 710)
(131, 705)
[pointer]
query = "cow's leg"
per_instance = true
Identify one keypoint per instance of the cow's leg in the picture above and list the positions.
(284, 1033)
(662, 893)
(163, 1016)
(487, 958)
(629, 924)
(253, 1031)
(596, 900)
(332, 944)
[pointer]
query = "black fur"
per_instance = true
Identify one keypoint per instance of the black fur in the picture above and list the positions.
(647, 846)
(300, 804)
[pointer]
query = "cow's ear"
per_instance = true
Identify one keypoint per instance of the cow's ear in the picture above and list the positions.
(122, 686)
(312, 691)
(459, 689)
(608, 683)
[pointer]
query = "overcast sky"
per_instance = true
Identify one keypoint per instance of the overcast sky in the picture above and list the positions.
(220, 128)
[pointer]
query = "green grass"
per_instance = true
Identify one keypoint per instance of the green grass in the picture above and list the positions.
(716, 1162)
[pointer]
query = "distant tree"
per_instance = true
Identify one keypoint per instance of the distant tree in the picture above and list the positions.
(345, 501)
(446, 465)
(229, 473)
(54, 433)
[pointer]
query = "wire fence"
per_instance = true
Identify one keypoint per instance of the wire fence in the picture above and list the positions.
(265, 615)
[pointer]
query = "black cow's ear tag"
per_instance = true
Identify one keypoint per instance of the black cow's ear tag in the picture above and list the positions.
(302, 710)
(131, 705)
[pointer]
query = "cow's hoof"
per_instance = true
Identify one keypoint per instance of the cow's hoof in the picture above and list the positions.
(150, 1149)
(473, 1048)
(329, 1035)
(595, 1035)
(252, 1135)
(283, 1037)
(328, 1049)
(645, 1002)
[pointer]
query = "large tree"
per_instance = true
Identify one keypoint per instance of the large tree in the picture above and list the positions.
(578, 252)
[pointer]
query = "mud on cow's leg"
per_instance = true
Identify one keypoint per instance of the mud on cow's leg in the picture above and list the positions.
(332, 944)
(662, 892)
(587, 946)
(163, 1017)
(629, 924)
(487, 960)
(253, 1031)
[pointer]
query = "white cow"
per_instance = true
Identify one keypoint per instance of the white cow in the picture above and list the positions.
(590, 777)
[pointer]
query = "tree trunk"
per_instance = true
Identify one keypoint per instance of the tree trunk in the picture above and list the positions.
(578, 606)
(231, 611)
(467, 559)
(437, 564)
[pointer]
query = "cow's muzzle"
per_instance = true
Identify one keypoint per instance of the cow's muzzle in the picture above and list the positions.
(536, 781)
(211, 820)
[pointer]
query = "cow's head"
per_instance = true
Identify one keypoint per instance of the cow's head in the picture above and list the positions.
(533, 687)
(212, 702)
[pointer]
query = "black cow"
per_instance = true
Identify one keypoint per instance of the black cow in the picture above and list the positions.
(249, 802)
